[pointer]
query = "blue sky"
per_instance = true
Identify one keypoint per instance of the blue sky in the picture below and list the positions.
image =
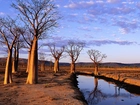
(110, 26)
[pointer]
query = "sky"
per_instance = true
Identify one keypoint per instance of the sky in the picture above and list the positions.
(110, 26)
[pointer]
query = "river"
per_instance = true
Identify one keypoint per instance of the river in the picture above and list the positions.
(100, 92)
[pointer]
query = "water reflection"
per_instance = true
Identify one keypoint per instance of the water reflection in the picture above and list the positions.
(96, 95)
(100, 92)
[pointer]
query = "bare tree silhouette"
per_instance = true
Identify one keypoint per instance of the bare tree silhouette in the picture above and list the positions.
(17, 46)
(9, 33)
(73, 49)
(96, 57)
(57, 54)
(39, 16)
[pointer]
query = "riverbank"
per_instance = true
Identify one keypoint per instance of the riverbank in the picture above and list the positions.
(128, 77)
(52, 89)
(122, 78)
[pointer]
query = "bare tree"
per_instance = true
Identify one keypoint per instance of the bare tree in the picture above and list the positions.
(73, 49)
(57, 54)
(17, 46)
(9, 33)
(96, 57)
(40, 17)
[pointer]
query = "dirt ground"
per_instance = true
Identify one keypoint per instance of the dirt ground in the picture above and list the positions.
(52, 89)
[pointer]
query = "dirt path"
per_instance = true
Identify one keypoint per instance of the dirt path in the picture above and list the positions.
(53, 89)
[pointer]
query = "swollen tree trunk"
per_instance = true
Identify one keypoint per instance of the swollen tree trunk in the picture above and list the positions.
(8, 69)
(28, 62)
(33, 72)
(72, 69)
(96, 69)
(56, 65)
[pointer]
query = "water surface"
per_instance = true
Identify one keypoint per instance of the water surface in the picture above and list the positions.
(100, 92)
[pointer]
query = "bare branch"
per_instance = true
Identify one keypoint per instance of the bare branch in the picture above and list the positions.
(74, 49)
(56, 52)
(96, 56)
(38, 15)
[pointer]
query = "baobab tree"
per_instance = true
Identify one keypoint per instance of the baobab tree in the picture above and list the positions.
(57, 54)
(97, 58)
(73, 49)
(17, 46)
(39, 16)
(9, 33)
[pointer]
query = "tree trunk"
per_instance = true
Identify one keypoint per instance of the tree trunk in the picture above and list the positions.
(95, 83)
(51, 65)
(15, 61)
(33, 72)
(96, 70)
(28, 62)
(13, 66)
(72, 70)
(42, 65)
(8, 69)
(56, 65)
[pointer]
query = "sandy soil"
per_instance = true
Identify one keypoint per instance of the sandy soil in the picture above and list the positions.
(52, 89)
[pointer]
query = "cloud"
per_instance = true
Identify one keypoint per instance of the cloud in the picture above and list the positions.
(124, 30)
(98, 9)
(138, 5)
(127, 26)
(97, 28)
(88, 36)
(73, 5)
(123, 14)
(126, 10)
(101, 7)
(80, 5)
(85, 28)
(113, 1)
(58, 40)
(63, 41)
(74, 14)
(129, 2)
(1, 13)
(58, 6)
(104, 42)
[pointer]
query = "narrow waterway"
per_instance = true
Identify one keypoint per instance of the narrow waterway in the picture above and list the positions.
(100, 92)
